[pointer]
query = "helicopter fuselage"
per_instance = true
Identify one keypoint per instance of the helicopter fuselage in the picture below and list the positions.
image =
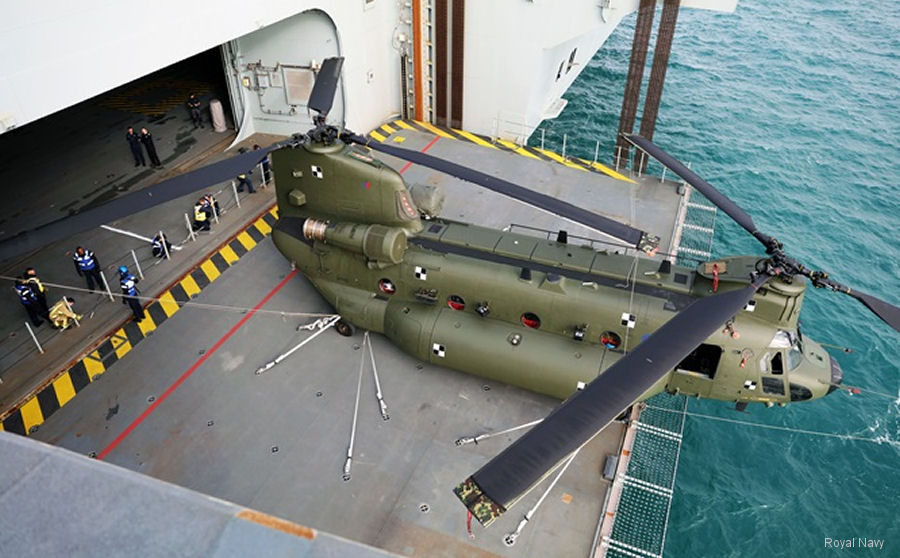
(538, 313)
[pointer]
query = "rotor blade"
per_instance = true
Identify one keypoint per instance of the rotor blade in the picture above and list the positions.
(508, 476)
(635, 237)
(719, 199)
(887, 312)
(322, 97)
(123, 206)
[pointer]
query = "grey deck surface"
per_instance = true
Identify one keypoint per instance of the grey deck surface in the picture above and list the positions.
(649, 205)
(69, 505)
(218, 431)
(399, 465)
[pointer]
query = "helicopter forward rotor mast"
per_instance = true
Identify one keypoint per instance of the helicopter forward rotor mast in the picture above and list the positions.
(779, 261)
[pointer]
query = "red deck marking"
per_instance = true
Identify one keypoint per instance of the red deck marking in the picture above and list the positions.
(193, 368)
(427, 147)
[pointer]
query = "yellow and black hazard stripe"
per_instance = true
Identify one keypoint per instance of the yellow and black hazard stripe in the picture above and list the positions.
(27, 416)
(155, 97)
(393, 131)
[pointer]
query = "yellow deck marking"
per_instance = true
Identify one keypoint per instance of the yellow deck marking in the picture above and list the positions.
(168, 304)
(475, 139)
(210, 270)
(1, 426)
(31, 413)
(190, 286)
(399, 139)
(433, 130)
(64, 389)
(120, 343)
(559, 159)
(246, 240)
(608, 171)
(402, 124)
(387, 129)
(262, 226)
(147, 325)
(274, 212)
(228, 254)
(93, 365)
(517, 149)
(377, 136)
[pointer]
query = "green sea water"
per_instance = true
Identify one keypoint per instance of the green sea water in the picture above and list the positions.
(792, 109)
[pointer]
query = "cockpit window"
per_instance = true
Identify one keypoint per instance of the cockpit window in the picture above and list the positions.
(782, 340)
(777, 366)
(794, 356)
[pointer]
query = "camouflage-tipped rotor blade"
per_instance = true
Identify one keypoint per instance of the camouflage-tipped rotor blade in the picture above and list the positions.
(135, 202)
(322, 97)
(634, 237)
(719, 199)
(512, 473)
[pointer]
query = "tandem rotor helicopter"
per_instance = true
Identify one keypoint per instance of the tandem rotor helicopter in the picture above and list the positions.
(544, 315)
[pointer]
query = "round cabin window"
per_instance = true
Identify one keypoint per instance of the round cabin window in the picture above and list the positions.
(610, 339)
(387, 286)
(456, 302)
(530, 319)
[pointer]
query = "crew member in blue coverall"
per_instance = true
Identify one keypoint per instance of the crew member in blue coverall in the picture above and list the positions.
(87, 265)
(130, 290)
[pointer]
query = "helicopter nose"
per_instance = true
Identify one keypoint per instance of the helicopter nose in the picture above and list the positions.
(836, 375)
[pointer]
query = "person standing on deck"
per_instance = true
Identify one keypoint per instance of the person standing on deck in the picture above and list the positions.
(193, 104)
(40, 291)
(147, 140)
(134, 142)
(29, 301)
(88, 266)
(128, 282)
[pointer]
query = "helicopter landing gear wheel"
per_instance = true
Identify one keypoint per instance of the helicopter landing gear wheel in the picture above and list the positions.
(344, 328)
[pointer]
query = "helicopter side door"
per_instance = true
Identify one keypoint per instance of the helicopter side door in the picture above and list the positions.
(695, 374)
(772, 373)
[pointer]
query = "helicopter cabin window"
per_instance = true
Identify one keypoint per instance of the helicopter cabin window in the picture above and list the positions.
(530, 319)
(610, 339)
(456, 302)
(704, 361)
(387, 286)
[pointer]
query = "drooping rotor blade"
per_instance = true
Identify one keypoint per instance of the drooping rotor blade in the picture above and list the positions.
(889, 313)
(720, 200)
(634, 237)
(135, 202)
(322, 97)
(508, 476)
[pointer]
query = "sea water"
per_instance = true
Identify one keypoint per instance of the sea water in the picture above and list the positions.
(792, 110)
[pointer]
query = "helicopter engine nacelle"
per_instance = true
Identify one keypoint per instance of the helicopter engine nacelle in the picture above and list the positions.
(375, 242)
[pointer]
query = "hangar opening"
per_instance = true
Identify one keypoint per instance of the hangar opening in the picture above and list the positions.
(78, 157)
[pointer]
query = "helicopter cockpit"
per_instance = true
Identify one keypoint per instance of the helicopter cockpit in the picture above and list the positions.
(810, 372)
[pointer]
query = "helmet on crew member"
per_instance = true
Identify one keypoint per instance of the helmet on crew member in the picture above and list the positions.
(123, 270)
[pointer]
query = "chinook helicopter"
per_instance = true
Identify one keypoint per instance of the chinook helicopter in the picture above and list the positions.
(544, 315)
